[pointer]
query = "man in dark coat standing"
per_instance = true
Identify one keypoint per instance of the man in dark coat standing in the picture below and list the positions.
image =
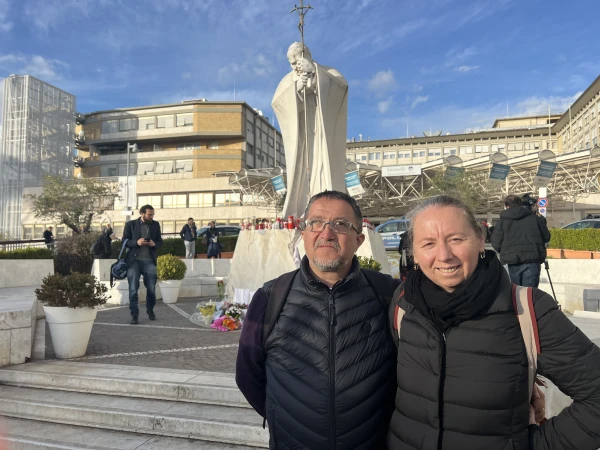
(520, 238)
(143, 241)
(189, 234)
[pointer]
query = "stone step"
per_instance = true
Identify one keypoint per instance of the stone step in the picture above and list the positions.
(212, 423)
(23, 434)
(130, 381)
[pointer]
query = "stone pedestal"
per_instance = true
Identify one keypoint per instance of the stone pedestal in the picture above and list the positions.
(263, 255)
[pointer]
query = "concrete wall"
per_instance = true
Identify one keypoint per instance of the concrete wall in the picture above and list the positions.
(576, 282)
(24, 272)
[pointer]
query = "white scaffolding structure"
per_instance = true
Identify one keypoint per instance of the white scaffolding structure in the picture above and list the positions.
(38, 124)
(577, 175)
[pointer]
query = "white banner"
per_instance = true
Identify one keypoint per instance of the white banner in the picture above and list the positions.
(401, 171)
(122, 202)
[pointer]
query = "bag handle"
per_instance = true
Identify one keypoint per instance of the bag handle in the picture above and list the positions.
(122, 247)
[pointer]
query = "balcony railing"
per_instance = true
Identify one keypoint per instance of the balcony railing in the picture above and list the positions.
(14, 245)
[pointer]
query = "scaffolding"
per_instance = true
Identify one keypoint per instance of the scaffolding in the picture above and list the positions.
(577, 175)
(38, 124)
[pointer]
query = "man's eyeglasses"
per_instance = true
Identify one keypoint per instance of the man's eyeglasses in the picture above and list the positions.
(338, 226)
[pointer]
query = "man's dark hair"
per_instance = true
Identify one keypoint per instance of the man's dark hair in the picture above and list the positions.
(190, 218)
(513, 200)
(336, 195)
(145, 208)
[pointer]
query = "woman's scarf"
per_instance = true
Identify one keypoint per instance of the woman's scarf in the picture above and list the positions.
(470, 300)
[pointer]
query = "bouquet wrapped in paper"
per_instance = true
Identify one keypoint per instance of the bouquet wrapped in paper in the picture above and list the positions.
(207, 310)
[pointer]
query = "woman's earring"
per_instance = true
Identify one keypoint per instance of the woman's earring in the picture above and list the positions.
(416, 267)
(482, 255)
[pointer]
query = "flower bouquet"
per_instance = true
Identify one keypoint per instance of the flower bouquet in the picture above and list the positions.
(207, 310)
(226, 323)
(234, 312)
(221, 289)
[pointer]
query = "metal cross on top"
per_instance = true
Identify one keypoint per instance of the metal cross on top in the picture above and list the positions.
(301, 10)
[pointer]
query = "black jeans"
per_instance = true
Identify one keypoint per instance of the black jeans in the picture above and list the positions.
(527, 274)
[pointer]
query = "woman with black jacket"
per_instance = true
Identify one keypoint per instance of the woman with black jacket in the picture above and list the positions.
(462, 366)
(212, 241)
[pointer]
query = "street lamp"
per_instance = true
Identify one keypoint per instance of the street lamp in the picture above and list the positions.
(133, 148)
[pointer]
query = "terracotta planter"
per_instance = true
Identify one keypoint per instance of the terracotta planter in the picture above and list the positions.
(224, 255)
(577, 254)
(555, 253)
(595, 255)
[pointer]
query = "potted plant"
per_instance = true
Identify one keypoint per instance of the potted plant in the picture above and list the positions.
(70, 306)
(369, 263)
(170, 270)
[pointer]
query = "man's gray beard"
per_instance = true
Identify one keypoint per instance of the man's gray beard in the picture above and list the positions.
(329, 265)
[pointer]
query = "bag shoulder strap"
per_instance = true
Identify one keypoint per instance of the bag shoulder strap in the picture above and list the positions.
(277, 292)
(381, 284)
(398, 315)
(522, 298)
(122, 248)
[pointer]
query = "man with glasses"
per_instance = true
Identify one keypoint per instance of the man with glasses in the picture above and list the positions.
(316, 358)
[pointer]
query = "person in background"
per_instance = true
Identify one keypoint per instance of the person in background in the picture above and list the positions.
(406, 263)
(143, 241)
(212, 241)
(102, 249)
(49, 238)
(520, 237)
(188, 233)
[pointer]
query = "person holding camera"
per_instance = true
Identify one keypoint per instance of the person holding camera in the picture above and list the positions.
(520, 238)
(143, 241)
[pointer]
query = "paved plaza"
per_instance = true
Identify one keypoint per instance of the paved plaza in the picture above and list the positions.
(175, 342)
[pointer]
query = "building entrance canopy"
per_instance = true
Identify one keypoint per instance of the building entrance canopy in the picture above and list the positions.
(576, 175)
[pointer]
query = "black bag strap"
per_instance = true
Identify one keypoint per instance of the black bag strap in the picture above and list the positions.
(122, 248)
(278, 293)
(381, 284)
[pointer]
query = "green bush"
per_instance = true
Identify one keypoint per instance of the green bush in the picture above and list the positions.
(73, 254)
(587, 239)
(78, 290)
(27, 253)
(369, 263)
(170, 267)
(174, 246)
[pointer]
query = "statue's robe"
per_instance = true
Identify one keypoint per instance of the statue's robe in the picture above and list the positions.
(327, 115)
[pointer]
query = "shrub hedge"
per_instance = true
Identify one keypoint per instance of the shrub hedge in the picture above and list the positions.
(587, 239)
(174, 246)
(170, 267)
(27, 253)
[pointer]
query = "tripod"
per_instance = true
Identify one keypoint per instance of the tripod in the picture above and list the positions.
(547, 267)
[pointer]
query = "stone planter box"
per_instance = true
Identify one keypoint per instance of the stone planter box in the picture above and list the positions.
(555, 253)
(577, 254)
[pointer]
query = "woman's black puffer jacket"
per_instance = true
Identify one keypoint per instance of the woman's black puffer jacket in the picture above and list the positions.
(468, 389)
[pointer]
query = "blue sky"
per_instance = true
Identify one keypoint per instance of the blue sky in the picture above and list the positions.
(446, 64)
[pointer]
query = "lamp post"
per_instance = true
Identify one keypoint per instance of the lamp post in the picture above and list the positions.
(133, 148)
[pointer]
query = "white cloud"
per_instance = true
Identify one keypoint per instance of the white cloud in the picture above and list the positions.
(260, 99)
(255, 66)
(465, 69)
(420, 99)
(5, 24)
(384, 105)
(539, 105)
(44, 68)
(383, 82)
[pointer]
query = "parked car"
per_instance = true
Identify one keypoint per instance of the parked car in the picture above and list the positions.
(580, 225)
(224, 230)
(391, 231)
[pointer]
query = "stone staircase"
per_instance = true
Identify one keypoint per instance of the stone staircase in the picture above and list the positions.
(74, 405)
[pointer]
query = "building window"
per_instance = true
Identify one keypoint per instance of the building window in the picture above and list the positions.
(449, 151)
(28, 232)
(375, 156)
(110, 126)
(227, 199)
(185, 120)
(249, 127)
(167, 226)
(146, 123)
(145, 168)
(361, 157)
(201, 200)
(108, 171)
(189, 146)
(123, 169)
(389, 155)
(170, 201)
(126, 124)
(118, 228)
(164, 122)
(61, 231)
(435, 152)
(38, 231)
(481, 149)
(250, 149)
(515, 146)
(183, 166)
(152, 200)
(214, 145)
(466, 150)
(164, 167)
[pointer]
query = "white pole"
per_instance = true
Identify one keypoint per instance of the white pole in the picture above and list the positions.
(570, 128)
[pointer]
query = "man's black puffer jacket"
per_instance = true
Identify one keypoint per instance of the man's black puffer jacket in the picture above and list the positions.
(330, 367)
(468, 390)
(520, 236)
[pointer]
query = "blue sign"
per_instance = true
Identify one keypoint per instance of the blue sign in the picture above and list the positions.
(546, 169)
(278, 184)
(453, 171)
(542, 202)
(499, 172)
(353, 183)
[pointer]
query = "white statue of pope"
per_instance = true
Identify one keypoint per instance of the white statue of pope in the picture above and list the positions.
(320, 165)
